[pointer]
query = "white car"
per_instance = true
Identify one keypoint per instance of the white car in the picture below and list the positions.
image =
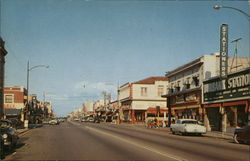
(54, 122)
(187, 126)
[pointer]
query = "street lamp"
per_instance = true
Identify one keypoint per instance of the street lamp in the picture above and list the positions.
(26, 121)
(219, 7)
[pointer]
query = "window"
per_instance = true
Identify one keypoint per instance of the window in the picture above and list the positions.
(143, 91)
(196, 81)
(9, 99)
(160, 90)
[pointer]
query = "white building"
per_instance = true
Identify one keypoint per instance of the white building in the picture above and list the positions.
(135, 98)
(88, 107)
(185, 90)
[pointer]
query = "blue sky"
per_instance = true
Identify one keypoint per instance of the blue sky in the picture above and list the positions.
(92, 45)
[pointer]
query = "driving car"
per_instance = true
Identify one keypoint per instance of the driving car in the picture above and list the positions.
(242, 135)
(9, 134)
(54, 122)
(187, 126)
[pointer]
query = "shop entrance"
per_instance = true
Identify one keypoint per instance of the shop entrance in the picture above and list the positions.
(214, 118)
(139, 116)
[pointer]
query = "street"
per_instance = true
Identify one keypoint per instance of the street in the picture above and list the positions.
(89, 141)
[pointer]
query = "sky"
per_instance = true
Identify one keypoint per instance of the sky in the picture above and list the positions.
(93, 46)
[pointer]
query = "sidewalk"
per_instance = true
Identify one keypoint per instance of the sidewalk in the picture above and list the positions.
(31, 126)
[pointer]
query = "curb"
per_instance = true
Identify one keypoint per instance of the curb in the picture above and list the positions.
(23, 132)
(218, 136)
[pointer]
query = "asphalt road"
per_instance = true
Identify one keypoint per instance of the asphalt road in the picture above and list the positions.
(89, 141)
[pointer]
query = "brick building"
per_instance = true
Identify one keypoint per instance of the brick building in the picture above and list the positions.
(14, 101)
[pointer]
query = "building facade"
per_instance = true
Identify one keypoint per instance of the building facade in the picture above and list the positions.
(3, 53)
(184, 93)
(15, 99)
(88, 107)
(185, 90)
(226, 101)
(136, 97)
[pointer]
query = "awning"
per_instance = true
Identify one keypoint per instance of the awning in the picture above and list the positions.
(185, 107)
(153, 110)
(12, 112)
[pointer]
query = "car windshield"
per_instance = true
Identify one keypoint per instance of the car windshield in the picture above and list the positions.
(189, 122)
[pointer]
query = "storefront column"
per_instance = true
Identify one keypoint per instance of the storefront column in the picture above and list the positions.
(133, 116)
(224, 119)
(206, 122)
(235, 110)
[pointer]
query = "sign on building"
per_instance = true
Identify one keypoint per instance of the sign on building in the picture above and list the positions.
(223, 50)
(236, 86)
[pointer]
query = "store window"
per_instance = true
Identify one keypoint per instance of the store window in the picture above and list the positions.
(196, 81)
(160, 90)
(9, 98)
(144, 91)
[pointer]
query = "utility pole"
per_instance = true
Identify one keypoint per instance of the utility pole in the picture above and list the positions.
(235, 54)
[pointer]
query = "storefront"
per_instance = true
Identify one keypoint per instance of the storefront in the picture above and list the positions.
(226, 101)
(186, 104)
(139, 116)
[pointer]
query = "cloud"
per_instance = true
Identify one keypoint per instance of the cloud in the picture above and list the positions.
(93, 90)
(57, 97)
(97, 86)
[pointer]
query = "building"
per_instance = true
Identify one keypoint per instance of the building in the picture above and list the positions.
(3, 53)
(15, 99)
(136, 97)
(226, 101)
(185, 90)
(88, 107)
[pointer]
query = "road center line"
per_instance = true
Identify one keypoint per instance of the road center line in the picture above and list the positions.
(140, 146)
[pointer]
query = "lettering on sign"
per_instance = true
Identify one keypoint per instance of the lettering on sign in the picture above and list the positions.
(223, 50)
(235, 86)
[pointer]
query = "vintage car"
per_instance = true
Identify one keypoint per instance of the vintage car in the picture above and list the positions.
(46, 121)
(54, 122)
(242, 135)
(9, 134)
(1, 147)
(187, 126)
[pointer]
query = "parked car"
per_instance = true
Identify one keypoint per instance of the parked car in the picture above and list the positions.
(76, 119)
(91, 119)
(46, 121)
(16, 122)
(9, 134)
(54, 122)
(187, 126)
(242, 135)
(1, 146)
(84, 119)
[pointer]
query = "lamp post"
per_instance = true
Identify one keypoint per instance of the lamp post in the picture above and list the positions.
(26, 121)
(219, 7)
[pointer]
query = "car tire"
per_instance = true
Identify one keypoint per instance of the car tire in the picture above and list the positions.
(236, 139)
(182, 133)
